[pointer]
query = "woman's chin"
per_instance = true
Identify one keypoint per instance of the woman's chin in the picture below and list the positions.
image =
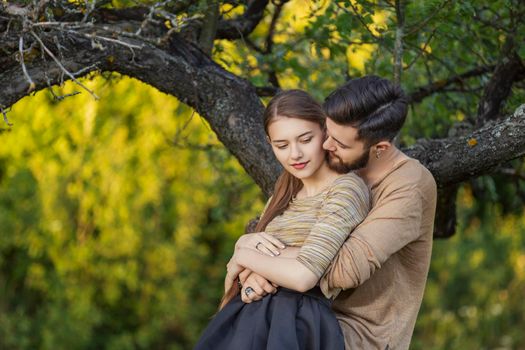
(302, 174)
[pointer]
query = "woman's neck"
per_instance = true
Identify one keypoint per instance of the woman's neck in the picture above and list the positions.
(318, 182)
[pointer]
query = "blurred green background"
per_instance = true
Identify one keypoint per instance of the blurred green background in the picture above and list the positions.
(118, 216)
(116, 229)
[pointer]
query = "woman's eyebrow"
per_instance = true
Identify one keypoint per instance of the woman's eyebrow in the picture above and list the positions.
(303, 134)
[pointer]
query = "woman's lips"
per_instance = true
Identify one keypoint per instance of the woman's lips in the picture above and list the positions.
(300, 166)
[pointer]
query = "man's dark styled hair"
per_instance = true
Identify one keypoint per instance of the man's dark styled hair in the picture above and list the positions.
(374, 106)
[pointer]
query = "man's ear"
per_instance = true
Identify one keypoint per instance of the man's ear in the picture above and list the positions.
(383, 146)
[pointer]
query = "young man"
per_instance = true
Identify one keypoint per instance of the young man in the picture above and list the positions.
(379, 275)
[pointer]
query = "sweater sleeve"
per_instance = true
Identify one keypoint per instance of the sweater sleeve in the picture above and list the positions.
(345, 206)
(393, 223)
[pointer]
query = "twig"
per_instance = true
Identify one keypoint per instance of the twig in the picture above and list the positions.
(61, 97)
(4, 112)
(273, 24)
(495, 23)
(266, 91)
(90, 6)
(421, 52)
(55, 96)
(418, 26)
(252, 45)
(59, 47)
(38, 9)
(7, 29)
(363, 23)
(465, 46)
(359, 17)
(149, 17)
(32, 84)
(180, 130)
(475, 90)
(88, 68)
(430, 77)
(195, 147)
(116, 41)
(437, 59)
(440, 85)
(44, 47)
(130, 35)
(60, 24)
(398, 46)
(513, 173)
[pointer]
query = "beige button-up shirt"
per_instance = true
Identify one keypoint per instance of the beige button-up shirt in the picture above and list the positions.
(379, 274)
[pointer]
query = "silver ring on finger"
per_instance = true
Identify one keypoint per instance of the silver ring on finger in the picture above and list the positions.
(257, 245)
(248, 291)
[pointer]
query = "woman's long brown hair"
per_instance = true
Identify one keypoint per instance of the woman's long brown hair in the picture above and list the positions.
(286, 104)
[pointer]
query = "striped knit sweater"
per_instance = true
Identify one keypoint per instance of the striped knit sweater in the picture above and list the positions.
(320, 224)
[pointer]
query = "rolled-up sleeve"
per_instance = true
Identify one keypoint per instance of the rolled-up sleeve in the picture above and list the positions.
(386, 230)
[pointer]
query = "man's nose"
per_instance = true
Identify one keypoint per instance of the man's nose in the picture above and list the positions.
(328, 144)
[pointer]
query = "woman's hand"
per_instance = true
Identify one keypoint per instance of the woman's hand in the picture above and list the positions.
(260, 285)
(262, 241)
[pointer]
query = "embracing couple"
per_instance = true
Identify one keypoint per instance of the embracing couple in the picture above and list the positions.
(342, 249)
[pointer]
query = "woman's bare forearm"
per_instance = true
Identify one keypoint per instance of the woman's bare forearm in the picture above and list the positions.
(289, 252)
(285, 271)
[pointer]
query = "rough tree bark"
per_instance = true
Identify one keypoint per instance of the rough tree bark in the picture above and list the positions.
(169, 62)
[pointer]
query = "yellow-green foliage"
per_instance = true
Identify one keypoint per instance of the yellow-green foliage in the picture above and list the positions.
(116, 228)
(474, 296)
(117, 217)
(112, 236)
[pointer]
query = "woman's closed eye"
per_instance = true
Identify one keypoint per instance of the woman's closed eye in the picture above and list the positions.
(281, 146)
(306, 140)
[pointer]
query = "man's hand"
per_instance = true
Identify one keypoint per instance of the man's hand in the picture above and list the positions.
(233, 271)
(262, 241)
(259, 284)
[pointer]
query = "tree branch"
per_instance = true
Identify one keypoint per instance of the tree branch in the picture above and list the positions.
(420, 93)
(267, 91)
(454, 160)
(209, 30)
(512, 173)
(243, 25)
(418, 26)
(230, 29)
(273, 24)
(499, 87)
(229, 103)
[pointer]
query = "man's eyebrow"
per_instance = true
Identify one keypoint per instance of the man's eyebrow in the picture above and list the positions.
(339, 142)
(303, 134)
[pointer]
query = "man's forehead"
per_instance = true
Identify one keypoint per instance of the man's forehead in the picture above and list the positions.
(346, 132)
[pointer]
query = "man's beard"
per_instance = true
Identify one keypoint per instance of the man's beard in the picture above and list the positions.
(335, 163)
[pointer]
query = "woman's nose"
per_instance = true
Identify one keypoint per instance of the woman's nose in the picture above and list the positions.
(296, 152)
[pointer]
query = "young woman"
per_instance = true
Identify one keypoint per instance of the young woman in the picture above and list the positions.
(313, 207)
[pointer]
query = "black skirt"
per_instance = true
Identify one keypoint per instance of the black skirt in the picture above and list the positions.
(286, 320)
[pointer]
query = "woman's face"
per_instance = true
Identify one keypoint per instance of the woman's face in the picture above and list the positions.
(297, 145)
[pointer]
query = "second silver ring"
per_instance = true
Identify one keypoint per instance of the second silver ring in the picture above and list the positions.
(248, 290)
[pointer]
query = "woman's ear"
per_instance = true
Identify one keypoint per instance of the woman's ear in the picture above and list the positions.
(268, 139)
